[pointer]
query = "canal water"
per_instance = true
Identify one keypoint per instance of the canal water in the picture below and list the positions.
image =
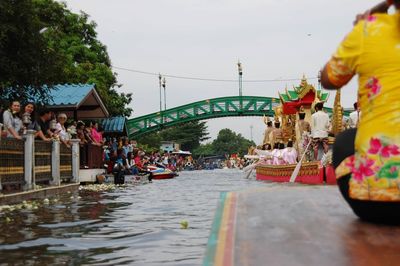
(137, 225)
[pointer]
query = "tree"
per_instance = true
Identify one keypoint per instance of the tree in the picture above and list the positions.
(228, 142)
(86, 58)
(44, 43)
(188, 135)
(26, 60)
(204, 150)
(152, 141)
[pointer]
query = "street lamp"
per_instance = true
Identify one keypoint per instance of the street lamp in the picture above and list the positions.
(240, 71)
(251, 132)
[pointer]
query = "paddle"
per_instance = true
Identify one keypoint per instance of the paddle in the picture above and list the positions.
(297, 168)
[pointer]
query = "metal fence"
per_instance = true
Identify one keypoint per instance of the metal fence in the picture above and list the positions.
(65, 163)
(42, 172)
(12, 164)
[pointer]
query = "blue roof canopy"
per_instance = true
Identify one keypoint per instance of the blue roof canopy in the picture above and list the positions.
(70, 94)
(114, 125)
(80, 101)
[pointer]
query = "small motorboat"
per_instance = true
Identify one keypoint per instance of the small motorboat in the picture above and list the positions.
(160, 173)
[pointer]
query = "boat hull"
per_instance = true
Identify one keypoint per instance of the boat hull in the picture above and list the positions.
(163, 175)
(310, 173)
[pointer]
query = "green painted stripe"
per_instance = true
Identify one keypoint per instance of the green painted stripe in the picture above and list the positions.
(213, 239)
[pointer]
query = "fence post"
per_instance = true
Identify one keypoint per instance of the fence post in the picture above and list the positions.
(29, 159)
(75, 160)
(55, 163)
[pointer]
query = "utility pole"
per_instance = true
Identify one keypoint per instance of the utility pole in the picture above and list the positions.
(159, 84)
(240, 71)
(165, 95)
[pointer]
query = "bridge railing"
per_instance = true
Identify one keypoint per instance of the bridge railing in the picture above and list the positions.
(201, 110)
(205, 109)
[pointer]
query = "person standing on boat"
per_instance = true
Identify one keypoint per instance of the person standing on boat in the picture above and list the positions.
(303, 133)
(276, 134)
(268, 130)
(367, 159)
(354, 116)
(319, 129)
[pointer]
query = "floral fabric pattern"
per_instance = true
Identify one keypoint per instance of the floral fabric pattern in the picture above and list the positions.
(371, 51)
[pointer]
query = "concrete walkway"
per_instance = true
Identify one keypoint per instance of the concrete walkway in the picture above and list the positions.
(296, 225)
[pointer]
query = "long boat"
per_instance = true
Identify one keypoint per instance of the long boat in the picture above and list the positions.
(310, 173)
(302, 97)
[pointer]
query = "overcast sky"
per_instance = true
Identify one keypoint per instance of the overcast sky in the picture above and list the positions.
(205, 38)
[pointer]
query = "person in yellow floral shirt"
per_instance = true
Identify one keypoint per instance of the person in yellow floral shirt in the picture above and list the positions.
(368, 171)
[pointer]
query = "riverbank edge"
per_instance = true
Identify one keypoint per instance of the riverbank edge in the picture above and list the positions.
(42, 193)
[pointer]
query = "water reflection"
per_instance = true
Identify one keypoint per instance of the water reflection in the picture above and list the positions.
(134, 226)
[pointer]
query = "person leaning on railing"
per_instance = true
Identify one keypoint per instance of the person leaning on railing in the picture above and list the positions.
(12, 121)
(30, 109)
(367, 159)
(43, 123)
(61, 130)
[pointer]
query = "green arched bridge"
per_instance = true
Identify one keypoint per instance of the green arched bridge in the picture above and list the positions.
(202, 110)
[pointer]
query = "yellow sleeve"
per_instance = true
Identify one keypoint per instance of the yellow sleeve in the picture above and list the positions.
(343, 64)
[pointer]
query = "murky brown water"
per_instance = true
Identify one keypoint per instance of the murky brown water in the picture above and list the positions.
(133, 226)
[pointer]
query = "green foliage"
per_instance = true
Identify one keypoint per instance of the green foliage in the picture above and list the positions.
(26, 60)
(228, 142)
(42, 42)
(204, 150)
(150, 141)
(188, 135)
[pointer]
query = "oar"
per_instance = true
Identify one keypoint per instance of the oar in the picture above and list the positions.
(298, 166)
(250, 169)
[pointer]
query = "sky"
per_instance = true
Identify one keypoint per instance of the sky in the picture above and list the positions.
(205, 39)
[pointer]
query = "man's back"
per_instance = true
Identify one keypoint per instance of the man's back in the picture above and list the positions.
(320, 125)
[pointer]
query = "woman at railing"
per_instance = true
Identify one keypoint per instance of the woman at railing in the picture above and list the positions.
(30, 109)
(62, 131)
(12, 121)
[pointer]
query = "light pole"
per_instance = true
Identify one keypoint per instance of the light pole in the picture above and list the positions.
(165, 95)
(240, 71)
(251, 132)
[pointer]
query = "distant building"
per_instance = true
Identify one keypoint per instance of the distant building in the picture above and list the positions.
(169, 146)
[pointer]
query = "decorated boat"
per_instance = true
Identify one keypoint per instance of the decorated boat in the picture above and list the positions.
(301, 98)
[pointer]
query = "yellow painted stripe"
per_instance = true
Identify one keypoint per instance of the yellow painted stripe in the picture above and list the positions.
(11, 170)
(11, 152)
(65, 167)
(219, 256)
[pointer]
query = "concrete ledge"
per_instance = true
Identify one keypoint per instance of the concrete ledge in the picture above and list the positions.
(37, 194)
